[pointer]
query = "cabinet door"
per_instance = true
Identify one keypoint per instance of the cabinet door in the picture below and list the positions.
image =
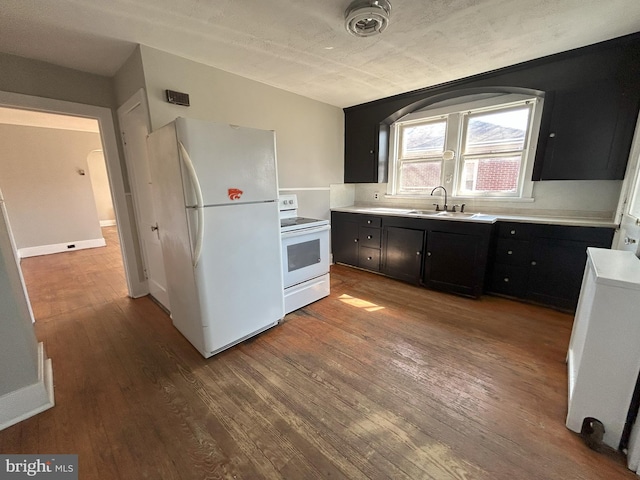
(452, 262)
(403, 253)
(360, 150)
(344, 238)
(587, 139)
(556, 272)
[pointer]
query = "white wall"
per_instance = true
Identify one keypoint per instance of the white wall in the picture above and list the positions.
(309, 134)
(18, 345)
(100, 186)
(48, 200)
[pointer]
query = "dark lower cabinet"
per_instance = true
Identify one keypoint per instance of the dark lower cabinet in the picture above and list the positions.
(454, 262)
(355, 240)
(344, 239)
(440, 254)
(556, 272)
(543, 263)
(403, 249)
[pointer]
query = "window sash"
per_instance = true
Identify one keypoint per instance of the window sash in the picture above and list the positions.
(404, 186)
(472, 114)
(497, 177)
(451, 171)
(425, 153)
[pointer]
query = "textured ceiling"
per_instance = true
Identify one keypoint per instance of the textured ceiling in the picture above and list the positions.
(302, 46)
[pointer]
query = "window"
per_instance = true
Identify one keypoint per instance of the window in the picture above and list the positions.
(475, 149)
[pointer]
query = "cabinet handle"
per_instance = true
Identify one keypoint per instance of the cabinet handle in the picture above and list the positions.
(534, 263)
(369, 237)
(428, 254)
(369, 221)
(510, 252)
(355, 240)
(369, 258)
(551, 135)
(418, 253)
(513, 232)
(370, 151)
(506, 279)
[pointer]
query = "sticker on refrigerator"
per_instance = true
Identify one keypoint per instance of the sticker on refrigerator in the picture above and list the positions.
(234, 193)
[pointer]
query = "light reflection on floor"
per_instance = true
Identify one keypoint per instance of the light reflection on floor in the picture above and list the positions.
(357, 302)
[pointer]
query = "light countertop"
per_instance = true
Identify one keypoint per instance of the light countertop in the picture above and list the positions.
(478, 217)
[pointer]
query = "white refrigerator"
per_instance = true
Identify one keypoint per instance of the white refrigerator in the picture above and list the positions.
(216, 189)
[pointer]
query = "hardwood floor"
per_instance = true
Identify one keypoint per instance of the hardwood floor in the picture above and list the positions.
(379, 380)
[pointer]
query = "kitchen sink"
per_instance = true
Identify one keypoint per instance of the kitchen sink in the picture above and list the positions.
(431, 213)
(455, 214)
(389, 210)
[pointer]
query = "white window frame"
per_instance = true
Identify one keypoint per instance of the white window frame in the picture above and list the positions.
(452, 169)
(429, 157)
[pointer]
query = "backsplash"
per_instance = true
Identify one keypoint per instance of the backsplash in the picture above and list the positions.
(579, 199)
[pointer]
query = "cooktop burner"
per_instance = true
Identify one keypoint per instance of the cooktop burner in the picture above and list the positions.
(295, 223)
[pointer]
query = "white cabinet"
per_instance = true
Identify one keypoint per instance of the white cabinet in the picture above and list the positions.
(604, 357)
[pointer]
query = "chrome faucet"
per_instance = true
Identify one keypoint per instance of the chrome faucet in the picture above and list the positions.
(445, 197)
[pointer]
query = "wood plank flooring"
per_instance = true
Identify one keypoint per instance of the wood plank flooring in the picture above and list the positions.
(379, 380)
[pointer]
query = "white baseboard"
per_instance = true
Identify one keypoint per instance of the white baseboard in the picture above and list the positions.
(32, 399)
(60, 247)
(107, 223)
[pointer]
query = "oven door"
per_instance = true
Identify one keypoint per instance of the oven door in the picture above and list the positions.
(305, 254)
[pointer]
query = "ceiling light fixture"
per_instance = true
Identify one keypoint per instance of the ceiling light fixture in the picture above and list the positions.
(364, 18)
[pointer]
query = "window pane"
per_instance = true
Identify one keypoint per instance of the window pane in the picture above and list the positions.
(498, 174)
(420, 175)
(497, 131)
(424, 139)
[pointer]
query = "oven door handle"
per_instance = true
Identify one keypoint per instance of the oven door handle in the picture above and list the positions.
(305, 231)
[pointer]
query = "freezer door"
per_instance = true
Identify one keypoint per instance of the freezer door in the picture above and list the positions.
(232, 164)
(239, 275)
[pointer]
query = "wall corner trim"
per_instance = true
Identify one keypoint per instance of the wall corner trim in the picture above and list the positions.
(28, 401)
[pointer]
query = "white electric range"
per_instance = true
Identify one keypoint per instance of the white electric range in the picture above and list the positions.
(305, 255)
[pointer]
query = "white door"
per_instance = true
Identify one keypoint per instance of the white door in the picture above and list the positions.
(134, 125)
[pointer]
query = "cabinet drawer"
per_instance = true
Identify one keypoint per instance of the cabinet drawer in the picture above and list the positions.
(369, 258)
(521, 231)
(369, 221)
(513, 252)
(369, 237)
(509, 280)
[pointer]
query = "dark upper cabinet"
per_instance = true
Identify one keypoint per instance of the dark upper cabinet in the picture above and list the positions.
(360, 149)
(592, 98)
(365, 147)
(585, 133)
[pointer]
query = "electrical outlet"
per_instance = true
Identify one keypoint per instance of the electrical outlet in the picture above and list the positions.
(376, 196)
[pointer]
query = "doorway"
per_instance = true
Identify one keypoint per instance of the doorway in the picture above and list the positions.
(129, 251)
(57, 196)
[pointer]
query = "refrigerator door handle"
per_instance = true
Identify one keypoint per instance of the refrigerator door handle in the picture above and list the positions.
(186, 160)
